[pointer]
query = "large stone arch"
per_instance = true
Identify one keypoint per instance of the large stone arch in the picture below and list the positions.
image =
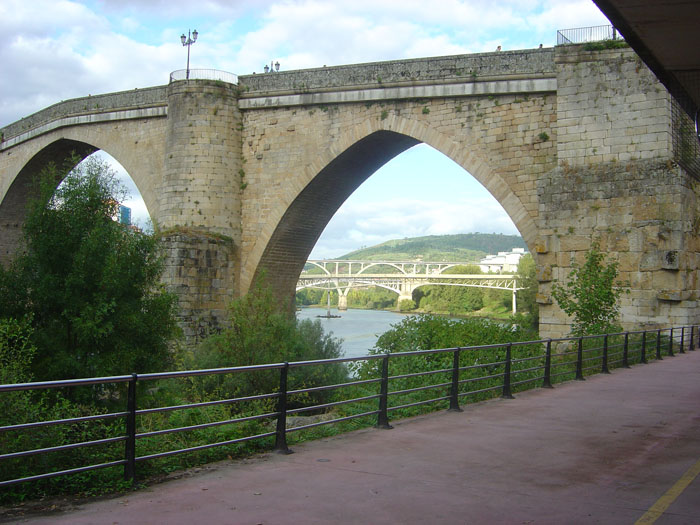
(59, 147)
(290, 234)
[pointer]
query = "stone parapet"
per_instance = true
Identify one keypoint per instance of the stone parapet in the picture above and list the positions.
(90, 105)
(532, 63)
(610, 107)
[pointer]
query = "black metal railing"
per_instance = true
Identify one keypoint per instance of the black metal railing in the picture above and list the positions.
(439, 377)
(581, 35)
(204, 74)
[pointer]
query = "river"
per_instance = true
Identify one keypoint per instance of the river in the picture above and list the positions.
(359, 329)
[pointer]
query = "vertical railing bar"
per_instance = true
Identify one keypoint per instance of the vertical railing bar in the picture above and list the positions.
(130, 443)
(507, 394)
(658, 345)
(643, 357)
(670, 345)
(604, 369)
(691, 344)
(281, 431)
(547, 382)
(579, 361)
(625, 351)
(454, 389)
(682, 351)
(383, 416)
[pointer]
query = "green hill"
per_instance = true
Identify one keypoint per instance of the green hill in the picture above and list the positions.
(460, 247)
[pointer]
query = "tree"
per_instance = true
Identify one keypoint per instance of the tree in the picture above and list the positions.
(590, 295)
(261, 331)
(89, 284)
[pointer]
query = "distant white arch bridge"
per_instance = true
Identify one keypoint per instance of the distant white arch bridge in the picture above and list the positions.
(400, 277)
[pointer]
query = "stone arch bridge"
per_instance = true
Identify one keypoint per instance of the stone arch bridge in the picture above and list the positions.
(242, 178)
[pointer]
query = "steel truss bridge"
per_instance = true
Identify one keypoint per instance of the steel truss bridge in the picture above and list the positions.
(400, 277)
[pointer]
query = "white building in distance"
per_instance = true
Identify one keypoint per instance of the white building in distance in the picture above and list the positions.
(504, 262)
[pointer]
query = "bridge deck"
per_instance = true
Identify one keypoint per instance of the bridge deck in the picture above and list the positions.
(600, 451)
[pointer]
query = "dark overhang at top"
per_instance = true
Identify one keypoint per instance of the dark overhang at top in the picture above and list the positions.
(666, 35)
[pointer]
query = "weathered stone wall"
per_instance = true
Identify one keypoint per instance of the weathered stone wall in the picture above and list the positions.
(295, 183)
(199, 269)
(529, 63)
(199, 209)
(616, 183)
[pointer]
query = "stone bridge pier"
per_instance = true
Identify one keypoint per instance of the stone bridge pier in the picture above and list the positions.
(241, 179)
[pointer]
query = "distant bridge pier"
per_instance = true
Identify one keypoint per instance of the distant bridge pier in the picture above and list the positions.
(343, 299)
(405, 292)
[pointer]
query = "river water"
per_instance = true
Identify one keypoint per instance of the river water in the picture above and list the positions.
(359, 329)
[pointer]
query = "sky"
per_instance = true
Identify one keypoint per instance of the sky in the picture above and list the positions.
(55, 50)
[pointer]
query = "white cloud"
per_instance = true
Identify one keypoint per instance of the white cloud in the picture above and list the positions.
(367, 223)
(55, 50)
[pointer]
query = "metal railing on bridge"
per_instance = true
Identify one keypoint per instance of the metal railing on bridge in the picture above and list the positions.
(204, 74)
(581, 35)
(383, 384)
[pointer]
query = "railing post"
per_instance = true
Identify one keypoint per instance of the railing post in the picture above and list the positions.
(604, 369)
(507, 394)
(579, 361)
(681, 351)
(130, 443)
(454, 389)
(625, 352)
(658, 345)
(670, 344)
(547, 382)
(691, 345)
(383, 416)
(281, 431)
(643, 357)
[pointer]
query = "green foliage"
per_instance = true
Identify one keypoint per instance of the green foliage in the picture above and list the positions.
(431, 332)
(372, 298)
(590, 295)
(260, 332)
(601, 45)
(460, 247)
(406, 305)
(89, 285)
(424, 332)
(308, 296)
(16, 355)
(454, 300)
(16, 351)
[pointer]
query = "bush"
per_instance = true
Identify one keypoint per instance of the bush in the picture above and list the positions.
(427, 332)
(406, 305)
(260, 332)
(590, 295)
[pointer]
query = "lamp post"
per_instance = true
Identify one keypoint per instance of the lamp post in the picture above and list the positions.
(272, 67)
(188, 41)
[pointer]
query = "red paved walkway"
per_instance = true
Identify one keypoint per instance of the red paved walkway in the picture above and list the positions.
(600, 451)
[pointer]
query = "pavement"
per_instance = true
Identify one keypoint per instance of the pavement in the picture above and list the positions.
(617, 448)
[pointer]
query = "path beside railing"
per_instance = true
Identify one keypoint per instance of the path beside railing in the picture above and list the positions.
(599, 451)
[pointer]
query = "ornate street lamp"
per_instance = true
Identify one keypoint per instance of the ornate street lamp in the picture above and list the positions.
(188, 41)
(272, 67)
